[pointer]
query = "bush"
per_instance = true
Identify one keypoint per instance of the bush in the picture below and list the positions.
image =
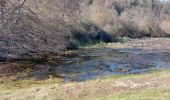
(53, 26)
(165, 26)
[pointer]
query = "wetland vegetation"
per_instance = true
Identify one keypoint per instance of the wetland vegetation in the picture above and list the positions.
(84, 49)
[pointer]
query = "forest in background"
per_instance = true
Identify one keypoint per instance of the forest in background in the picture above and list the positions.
(34, 26)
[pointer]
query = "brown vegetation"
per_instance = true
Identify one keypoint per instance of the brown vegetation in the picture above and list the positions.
(120, 87)
(28, 26)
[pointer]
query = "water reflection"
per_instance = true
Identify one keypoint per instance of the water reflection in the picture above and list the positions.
(99, 62)
(95, 63)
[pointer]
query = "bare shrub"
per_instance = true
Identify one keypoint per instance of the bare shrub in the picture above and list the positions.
(128, 18)
(165, 26)
(29, 29)
(50, 25)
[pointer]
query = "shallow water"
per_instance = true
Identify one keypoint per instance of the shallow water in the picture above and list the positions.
(93, 63)
(98, 63)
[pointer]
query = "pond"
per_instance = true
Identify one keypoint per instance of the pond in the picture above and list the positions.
(101, 62)
(94, 63)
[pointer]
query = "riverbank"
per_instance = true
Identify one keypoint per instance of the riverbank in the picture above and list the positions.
(149, 44)
(46, 79)
(152, 85)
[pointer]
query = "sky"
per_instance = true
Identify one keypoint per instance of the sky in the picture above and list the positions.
(164, 0)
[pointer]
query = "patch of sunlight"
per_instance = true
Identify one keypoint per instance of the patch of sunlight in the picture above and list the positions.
(160, 93)
(153, 73)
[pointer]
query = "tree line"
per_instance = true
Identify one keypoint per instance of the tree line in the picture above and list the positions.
(54, 25)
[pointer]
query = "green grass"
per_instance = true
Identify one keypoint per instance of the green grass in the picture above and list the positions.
(160, 93)
(97, 45)
(150, 74)
(117, 44)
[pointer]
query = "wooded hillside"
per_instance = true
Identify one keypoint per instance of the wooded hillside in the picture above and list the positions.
(32, 26)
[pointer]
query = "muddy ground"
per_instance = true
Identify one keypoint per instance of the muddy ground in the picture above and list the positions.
(91, 63)
(131, 56)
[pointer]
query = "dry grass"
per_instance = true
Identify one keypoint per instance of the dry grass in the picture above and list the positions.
(165, 25)
(159, 93)
(111, 87)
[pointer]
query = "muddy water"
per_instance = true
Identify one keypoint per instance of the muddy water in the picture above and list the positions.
(93, 63)
(97, 63)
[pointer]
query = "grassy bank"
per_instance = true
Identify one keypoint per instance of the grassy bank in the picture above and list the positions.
(152, 85)
(159, 93)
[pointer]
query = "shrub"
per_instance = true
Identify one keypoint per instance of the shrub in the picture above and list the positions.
(165, 26)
